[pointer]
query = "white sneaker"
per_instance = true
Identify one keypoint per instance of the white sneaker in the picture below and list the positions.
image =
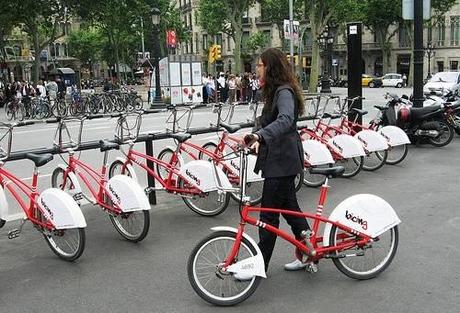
(243, 276)
(295, 265)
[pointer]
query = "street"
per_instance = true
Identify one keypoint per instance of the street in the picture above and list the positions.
(114, 275)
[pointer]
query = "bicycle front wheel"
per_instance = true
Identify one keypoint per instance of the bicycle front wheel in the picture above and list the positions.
(209, 280)
(313, 180)
(133, 226)
(68, 244)
(206, 203)
(368, 261)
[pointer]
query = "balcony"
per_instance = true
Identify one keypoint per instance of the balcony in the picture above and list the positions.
(261, 21)
(246, 21)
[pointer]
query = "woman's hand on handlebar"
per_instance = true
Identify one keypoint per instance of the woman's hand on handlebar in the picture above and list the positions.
(252, 141)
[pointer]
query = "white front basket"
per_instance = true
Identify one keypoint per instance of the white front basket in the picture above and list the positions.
(61, 209)
(347, 146)
(204, 176)
(316, 153)
(126, 193)
(394, 135)
(371, 140)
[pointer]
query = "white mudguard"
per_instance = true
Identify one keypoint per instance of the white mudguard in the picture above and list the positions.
(234, 165)
(61, 209)
(127, 194)
(347, 146)
(129, 168)
(372, 140)
(204, 176)
(5, 213)
(316, 153)
(366, 213)
(76, 192)
(254, 265)
(394, 135)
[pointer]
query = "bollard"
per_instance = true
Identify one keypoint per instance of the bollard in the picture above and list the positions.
(150, 179)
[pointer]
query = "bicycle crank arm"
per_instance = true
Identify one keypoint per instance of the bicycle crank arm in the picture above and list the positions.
(343, 255)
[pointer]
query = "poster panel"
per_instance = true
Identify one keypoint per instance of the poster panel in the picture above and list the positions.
(176, 95)
(196, 73)
(186, 74)
(174, 73)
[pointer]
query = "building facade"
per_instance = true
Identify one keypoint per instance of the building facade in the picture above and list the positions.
(443, 38)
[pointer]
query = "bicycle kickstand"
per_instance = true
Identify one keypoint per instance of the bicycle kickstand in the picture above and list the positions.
(14, 233)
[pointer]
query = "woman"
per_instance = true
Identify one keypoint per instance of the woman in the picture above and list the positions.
(279, 148)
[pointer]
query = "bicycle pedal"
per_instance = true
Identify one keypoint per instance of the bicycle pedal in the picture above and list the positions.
(14, 233)
(148, 190)
(312, 268)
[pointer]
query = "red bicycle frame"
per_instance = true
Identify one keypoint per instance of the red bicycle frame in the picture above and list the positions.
(30, 191)
(315, 240)
(81, 169)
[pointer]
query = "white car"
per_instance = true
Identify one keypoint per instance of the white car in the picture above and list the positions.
(441, 83)
(392, 80)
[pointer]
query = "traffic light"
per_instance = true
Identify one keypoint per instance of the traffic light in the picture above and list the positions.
(212, 54)
(218, 52)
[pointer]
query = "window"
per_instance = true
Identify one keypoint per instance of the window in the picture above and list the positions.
(454, 30)
(440, 65)
(229, 43)
(441, 32)
(219, 39)
(404, 40)
(205, 42)
(453, 65)
(268, 36)
(197, 43)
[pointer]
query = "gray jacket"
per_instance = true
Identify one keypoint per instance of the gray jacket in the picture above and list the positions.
(280, 152)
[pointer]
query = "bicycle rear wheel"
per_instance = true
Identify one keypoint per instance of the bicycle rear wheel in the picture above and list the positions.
(206, 203)
(68, 244)
(397, 154)
(373, 258)
(375, 160)
(352, 166)
(133, 226)
(313, 180)
(209, 281)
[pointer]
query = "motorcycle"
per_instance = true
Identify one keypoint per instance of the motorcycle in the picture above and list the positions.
(431, 123)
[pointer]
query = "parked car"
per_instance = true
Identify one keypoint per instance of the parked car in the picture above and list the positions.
(392, 80)
(370, 81)
(441, 83)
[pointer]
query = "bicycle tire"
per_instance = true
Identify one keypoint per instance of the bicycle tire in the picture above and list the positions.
(165, 155)
(196, 203)
(352, 166)
(313, 180)
(222, 278)
(121, 222)
(380, 158)
(347, 269)
(62, 250)
(209, 146)
(393, 158)
(113, 169)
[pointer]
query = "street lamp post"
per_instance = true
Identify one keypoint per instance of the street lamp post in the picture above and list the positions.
(326, 41)
(156, 54)
(429, 51)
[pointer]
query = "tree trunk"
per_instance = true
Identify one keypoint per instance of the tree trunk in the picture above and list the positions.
(37, 57)
(237, 50)
(314, 70)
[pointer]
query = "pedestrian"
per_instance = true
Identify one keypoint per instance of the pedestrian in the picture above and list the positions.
(231, 88)
(221, 86)
(52, 89)
(238, 87)
(254, 82)
(41, 90)
(279, 150)
(404, 78)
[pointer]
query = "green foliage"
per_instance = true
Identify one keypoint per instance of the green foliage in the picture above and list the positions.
(256, 41)
(86, 43)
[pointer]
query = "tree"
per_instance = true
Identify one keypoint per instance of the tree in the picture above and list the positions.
(256, 41)
(224, 16)
(7, 22)
(86, 44)
(41, 20)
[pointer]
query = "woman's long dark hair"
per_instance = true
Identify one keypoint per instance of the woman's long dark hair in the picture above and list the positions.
(279, 72)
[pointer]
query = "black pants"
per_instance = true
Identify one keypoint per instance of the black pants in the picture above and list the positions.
(279, 192)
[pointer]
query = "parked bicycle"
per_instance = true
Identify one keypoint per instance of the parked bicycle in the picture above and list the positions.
(52, 212)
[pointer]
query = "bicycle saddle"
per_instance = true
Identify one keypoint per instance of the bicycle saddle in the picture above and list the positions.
(107, 145)
(330, 172)
(39, 159)
(381, 108)
(180, 137)
(230, 128)
(360, 112)
(329, 115)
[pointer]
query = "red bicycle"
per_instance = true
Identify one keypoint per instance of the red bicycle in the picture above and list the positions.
(195, 181)
(52, 212)
(120, 196)
(360, 236)
(213, 152)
